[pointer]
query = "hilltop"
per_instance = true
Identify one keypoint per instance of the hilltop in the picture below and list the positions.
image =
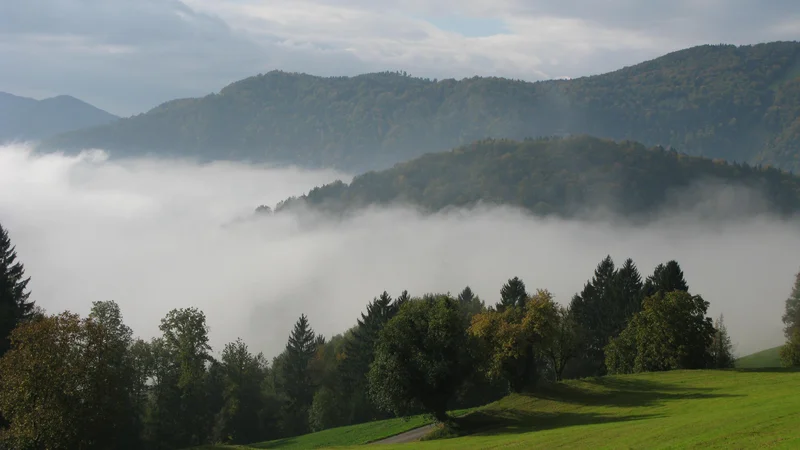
(719, 101)
(559, 176)
(23, 118)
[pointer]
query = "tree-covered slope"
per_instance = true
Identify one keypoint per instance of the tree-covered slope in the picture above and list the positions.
(23, 118)
(738, 103)
(562, 176)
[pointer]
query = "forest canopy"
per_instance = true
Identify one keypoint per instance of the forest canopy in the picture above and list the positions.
(719, 101)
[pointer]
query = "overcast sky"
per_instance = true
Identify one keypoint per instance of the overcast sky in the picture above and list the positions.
(127, 56)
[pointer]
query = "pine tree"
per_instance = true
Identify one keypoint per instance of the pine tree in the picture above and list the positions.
(628, 298)
(601, 309)
(512, 293)
(14, 304)
(360, 352)
(721, 347)
(666, 278)
(298, 387)
(469, 304)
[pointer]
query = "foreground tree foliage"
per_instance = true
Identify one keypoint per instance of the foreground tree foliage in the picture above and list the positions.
(68, 383)
(14, 304)
(790, 352)
(421, 358)
(516, 339)
(671, 332)
(71, 382)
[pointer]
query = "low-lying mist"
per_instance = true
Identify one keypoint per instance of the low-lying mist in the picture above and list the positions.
(155, 235)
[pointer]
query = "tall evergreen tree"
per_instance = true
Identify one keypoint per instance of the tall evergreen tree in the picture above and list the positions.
(14, 294)
(297, 381)
(666, 278)
(721, 347)
(629, 300)
(469, 304)
(360, 352)
(593, 311)
(513, 293)
(401, 300)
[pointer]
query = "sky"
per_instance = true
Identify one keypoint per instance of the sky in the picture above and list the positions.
(127, 56)
(154, 235)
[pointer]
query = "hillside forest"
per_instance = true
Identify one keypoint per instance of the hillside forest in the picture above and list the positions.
(72, 382)
(565, 177)
(739, 103)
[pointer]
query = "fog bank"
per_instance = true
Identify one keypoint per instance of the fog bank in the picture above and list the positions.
(155, 235)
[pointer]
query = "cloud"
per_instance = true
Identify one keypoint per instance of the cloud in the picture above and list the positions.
(155, 235)
(129, 55)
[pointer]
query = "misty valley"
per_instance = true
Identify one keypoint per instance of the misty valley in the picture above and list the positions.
(301, 261)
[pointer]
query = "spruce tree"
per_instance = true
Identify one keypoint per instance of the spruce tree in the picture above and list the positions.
(360, 351)
(298, 387)
(14, 294)
(629, 294)
(469, 304)
(721, 347)
(666, 278)
(512, 293)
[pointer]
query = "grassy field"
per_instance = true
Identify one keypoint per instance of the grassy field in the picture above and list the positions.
(683, 409)
(762, 359)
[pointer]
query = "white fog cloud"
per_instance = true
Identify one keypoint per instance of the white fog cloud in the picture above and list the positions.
(156, 235)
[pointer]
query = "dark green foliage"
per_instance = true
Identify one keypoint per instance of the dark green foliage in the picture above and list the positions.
(565, 343)
(360, 353)
(720, 101)
(565, 177)
(243, 373)
(513, 293)
(179, 414)
(790, 353)
(603, 309)
(721, 350)
(666, 278)
(69, 383)
(14, 304)
(470, 304)
(671, 332)
(421, 358)
(296, 382)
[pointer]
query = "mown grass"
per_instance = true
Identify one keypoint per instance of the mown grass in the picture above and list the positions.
(742, 408)
(763, 359)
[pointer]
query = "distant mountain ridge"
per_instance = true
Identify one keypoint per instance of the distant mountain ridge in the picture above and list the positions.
(23, 118)
(719, 101)
(564, 177)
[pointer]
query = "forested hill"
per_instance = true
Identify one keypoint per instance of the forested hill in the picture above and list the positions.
(737, 103)
(23, 118)
(560, 176)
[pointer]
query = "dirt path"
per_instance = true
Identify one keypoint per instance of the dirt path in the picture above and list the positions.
(409, 436)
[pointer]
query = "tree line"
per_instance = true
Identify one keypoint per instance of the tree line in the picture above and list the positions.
(85, 382)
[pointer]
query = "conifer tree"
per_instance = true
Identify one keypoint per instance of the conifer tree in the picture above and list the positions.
(469, 304)
(513, 293)
(360, 352)
(666, 278)
(594, 312)
(14, 294)
(721, 347)
(298, 385)
(402, 299)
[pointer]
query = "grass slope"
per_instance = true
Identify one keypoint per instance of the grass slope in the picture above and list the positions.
(765, 358)
(682, 409)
